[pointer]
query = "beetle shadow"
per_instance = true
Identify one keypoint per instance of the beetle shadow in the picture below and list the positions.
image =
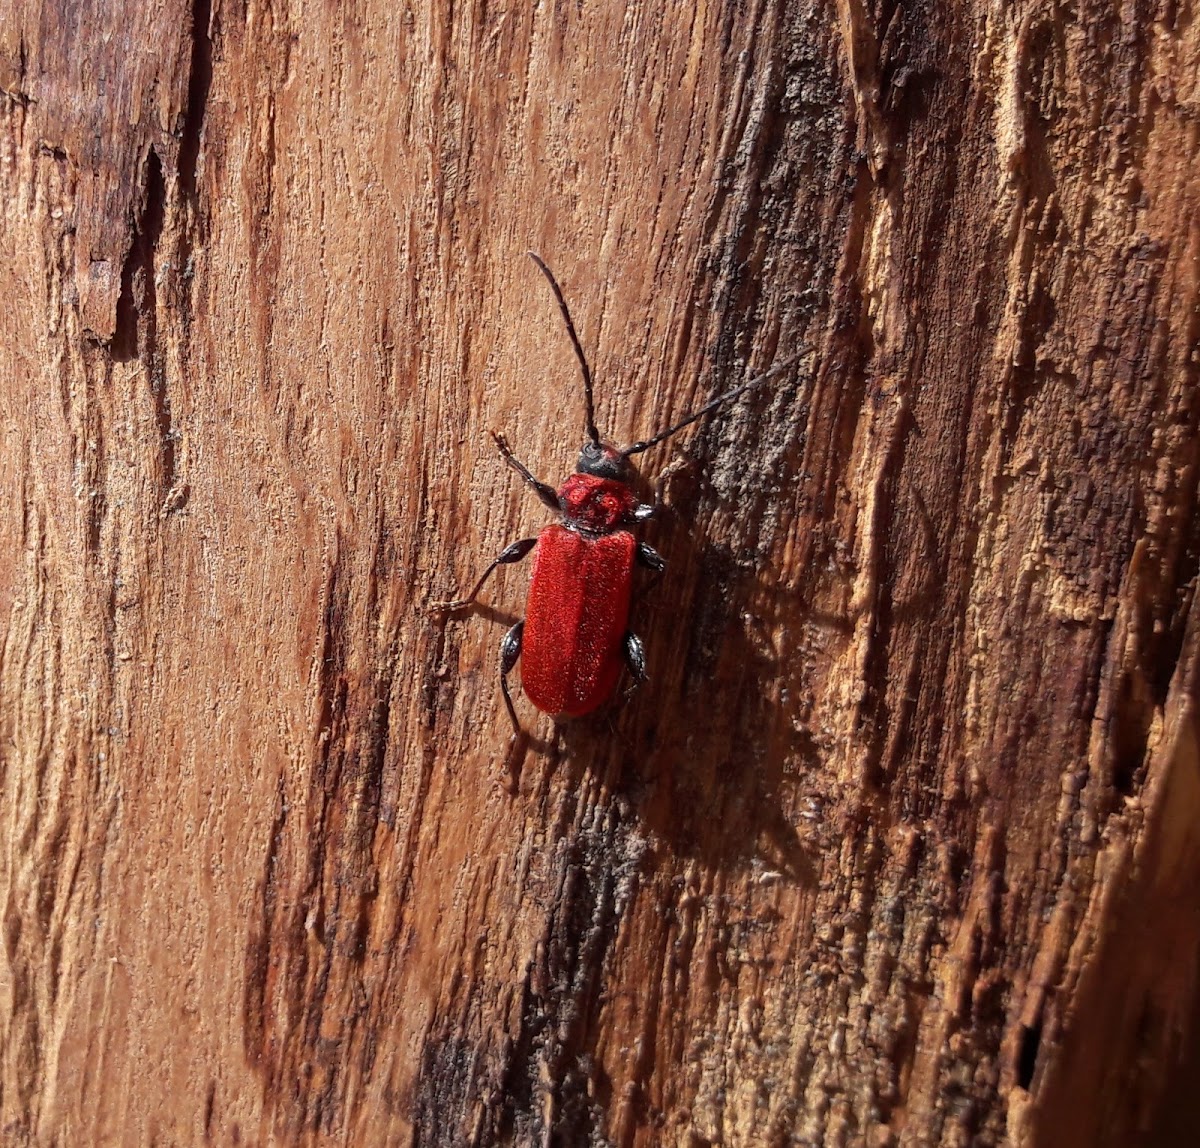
(522, 743)
(722, 755)
(488, 613)
(712, 762)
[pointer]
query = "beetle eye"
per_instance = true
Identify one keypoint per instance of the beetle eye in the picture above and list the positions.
(603, 461)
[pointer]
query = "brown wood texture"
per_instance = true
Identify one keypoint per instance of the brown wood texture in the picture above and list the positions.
(898, 846)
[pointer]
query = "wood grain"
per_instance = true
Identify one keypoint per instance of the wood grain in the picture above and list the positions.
(899, 844)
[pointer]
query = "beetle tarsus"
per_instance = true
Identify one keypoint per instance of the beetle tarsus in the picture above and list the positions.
(510, 651)
(514, 759)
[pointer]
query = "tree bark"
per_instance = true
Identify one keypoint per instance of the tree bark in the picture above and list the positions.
(898, 846)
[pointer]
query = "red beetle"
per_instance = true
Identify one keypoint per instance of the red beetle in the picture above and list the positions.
(575, 637)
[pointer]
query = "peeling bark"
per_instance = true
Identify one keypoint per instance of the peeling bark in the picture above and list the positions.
(899, 844)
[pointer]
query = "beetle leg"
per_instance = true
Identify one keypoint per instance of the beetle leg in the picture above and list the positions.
(513, 552)
(635, 660)
(510, 651)
(543, 490)
(650, 558)
(654, 562)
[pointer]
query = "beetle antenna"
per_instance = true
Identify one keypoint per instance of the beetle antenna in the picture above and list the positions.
(711, 406)
(592, 432)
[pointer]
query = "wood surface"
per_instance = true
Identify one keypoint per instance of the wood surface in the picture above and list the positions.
(898, 846)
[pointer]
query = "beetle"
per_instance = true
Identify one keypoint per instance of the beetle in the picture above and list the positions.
(574, 639)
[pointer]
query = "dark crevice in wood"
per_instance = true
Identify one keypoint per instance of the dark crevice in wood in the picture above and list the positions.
(209, 1105)
(256, 1024)
(136, 328)
(193, 224)
(1027, 1054)
(337, 872)
(1183, 576)
(199, 83)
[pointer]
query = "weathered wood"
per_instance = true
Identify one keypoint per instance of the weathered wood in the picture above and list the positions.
(899, 846)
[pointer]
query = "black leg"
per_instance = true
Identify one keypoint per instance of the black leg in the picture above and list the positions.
(514, 552)
(650, 558)
(510, 651)
(635, 660)
(654, 562)
(543, 490)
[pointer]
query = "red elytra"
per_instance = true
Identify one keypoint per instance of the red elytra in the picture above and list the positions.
(576, 619)
(575, 637)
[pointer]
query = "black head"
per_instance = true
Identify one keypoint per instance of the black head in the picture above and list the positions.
(603, 461)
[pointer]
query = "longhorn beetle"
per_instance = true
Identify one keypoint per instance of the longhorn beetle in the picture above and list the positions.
(575, 637)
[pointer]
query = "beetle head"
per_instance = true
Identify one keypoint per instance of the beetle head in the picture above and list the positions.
(603, 461)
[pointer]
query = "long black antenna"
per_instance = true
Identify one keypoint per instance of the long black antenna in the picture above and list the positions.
(592, 432)
(710, 406)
